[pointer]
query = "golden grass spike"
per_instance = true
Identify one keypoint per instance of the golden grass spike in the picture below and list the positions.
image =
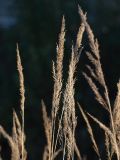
(22, 98)
(57, 70)
(17, 140)
(57, 73)
(90, 131)
(94, 57)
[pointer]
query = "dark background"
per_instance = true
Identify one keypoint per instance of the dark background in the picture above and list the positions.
(35, 26)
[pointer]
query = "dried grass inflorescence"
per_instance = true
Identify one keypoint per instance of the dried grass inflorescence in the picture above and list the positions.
(57, 71)
(16, 141)
(60, 126)
(96, 72)
(22, 99)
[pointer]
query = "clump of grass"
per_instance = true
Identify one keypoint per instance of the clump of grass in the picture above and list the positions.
(60, 126)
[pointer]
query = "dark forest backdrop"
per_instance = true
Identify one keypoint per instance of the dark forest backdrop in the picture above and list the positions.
(35, 26)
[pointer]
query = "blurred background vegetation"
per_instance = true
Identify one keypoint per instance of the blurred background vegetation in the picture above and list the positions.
(35, 26)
